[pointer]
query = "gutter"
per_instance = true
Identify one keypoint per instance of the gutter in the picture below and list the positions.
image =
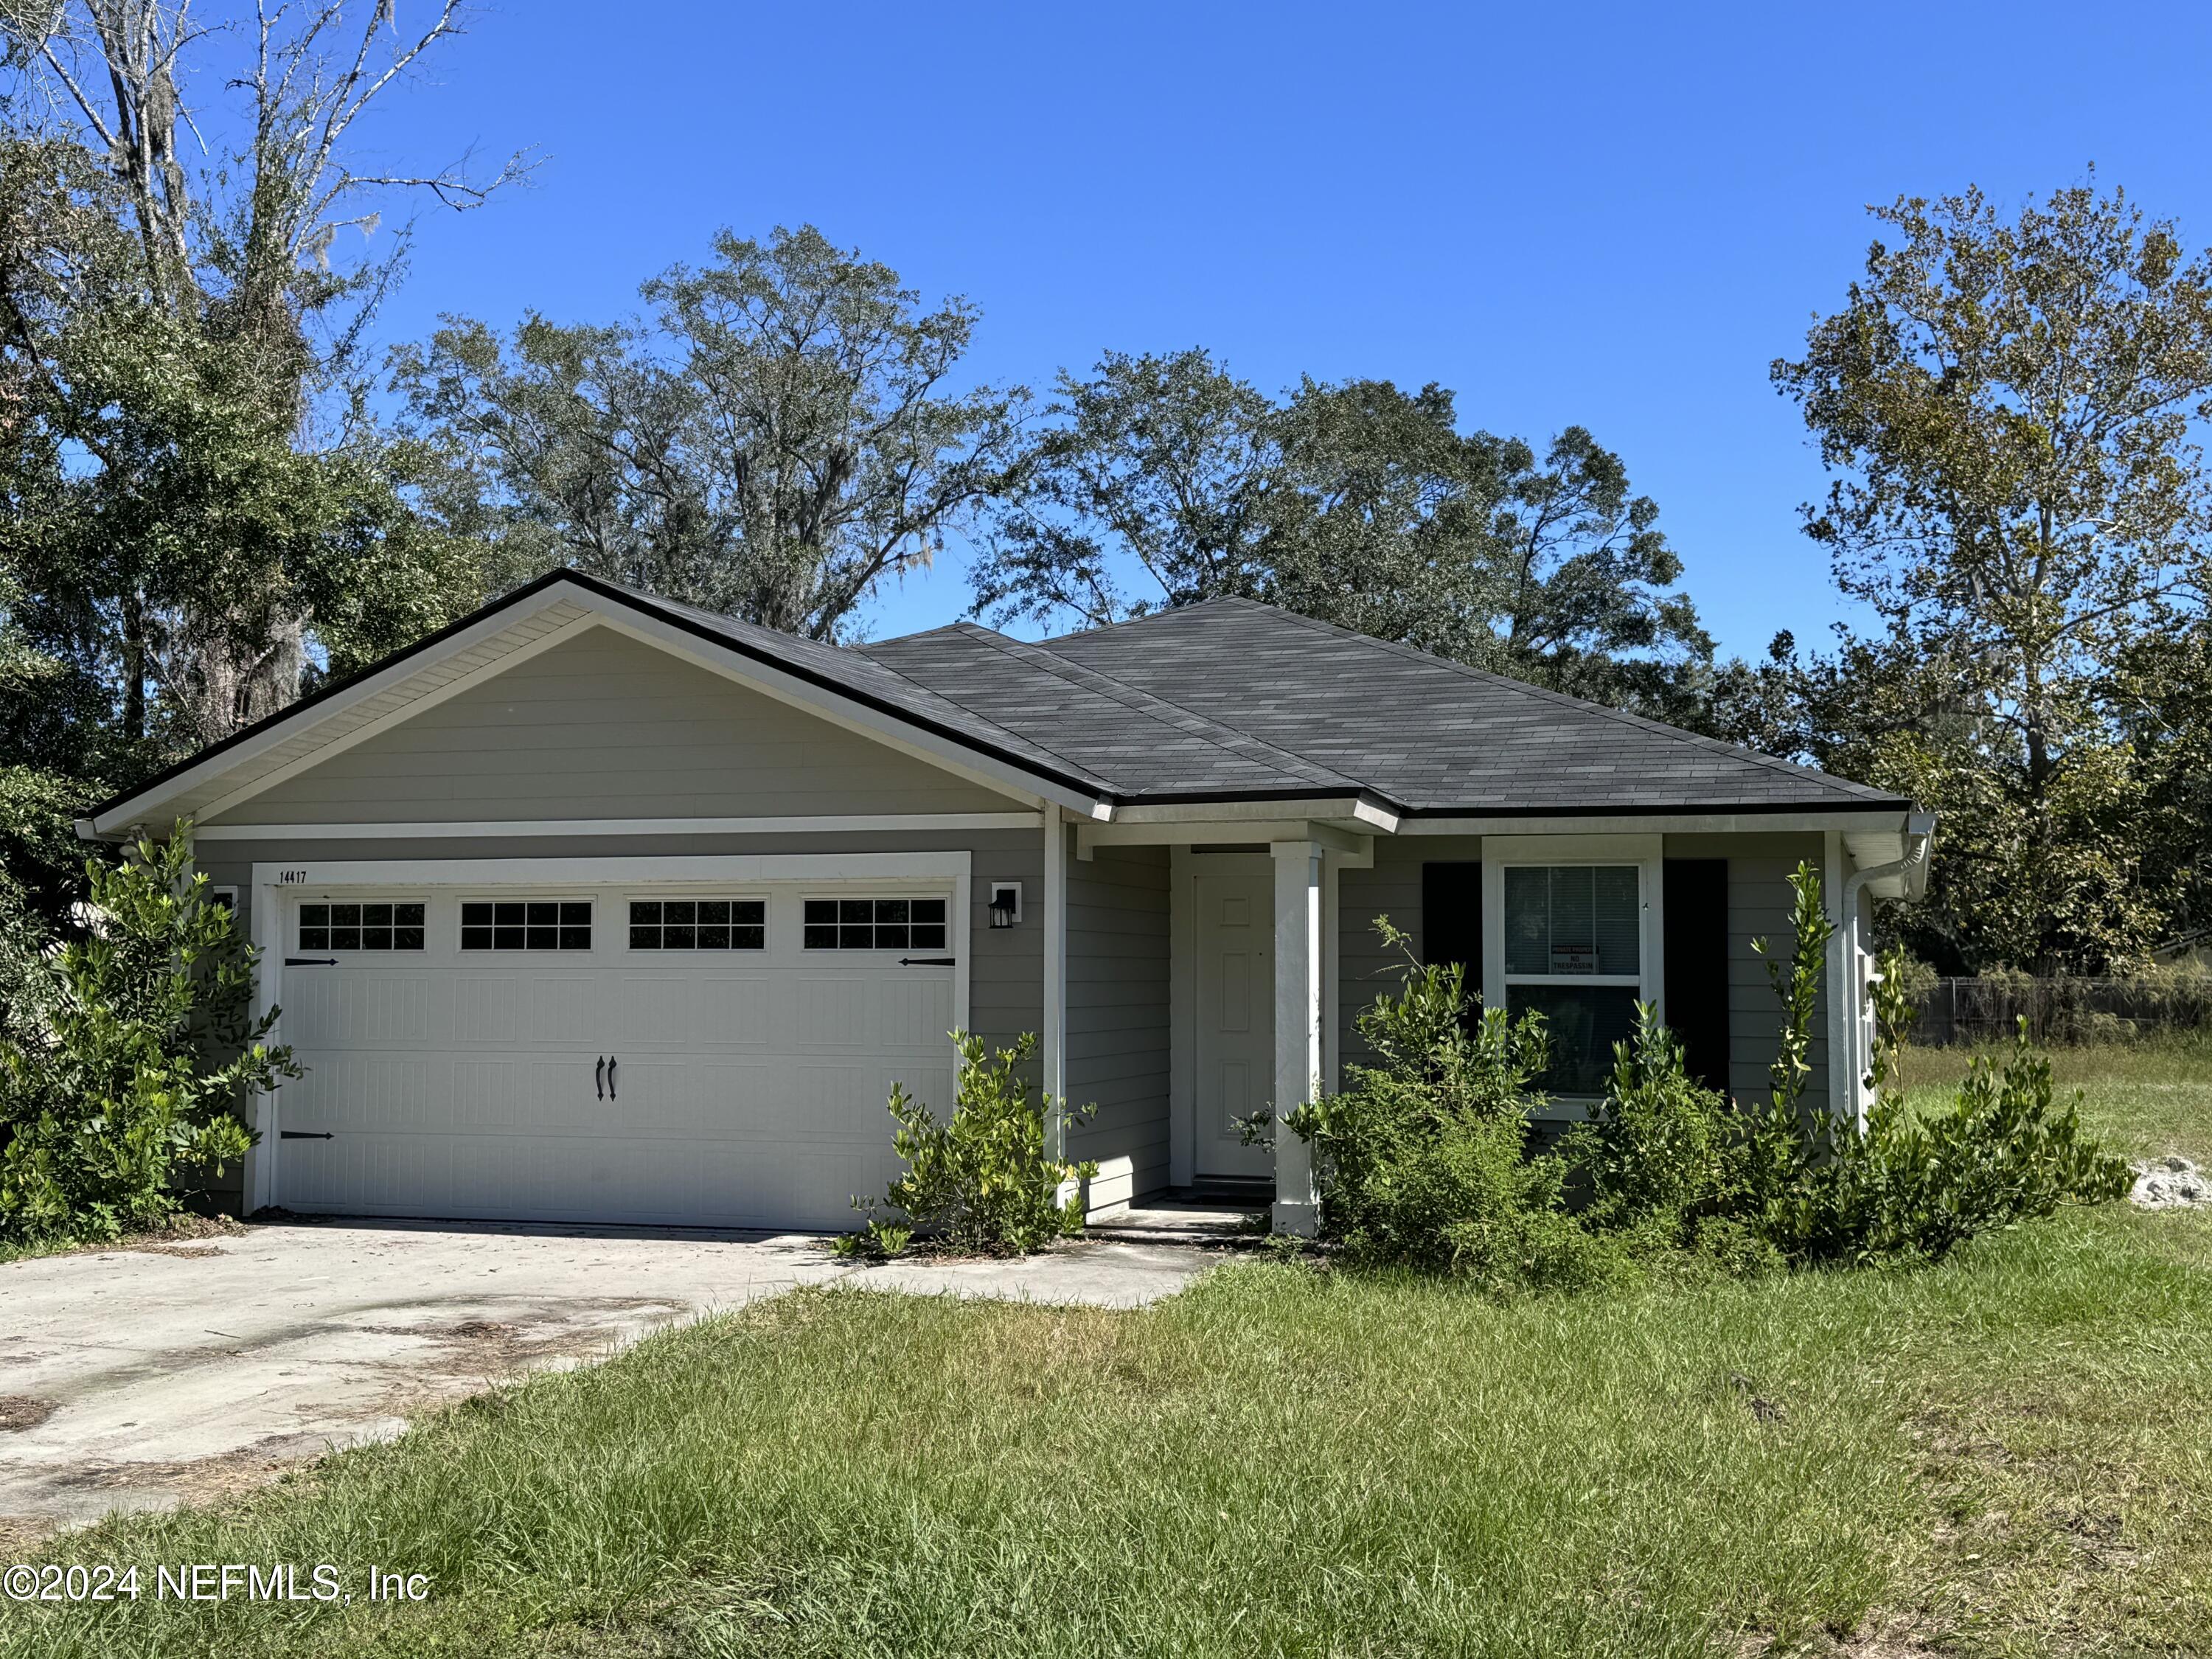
(1920, 838)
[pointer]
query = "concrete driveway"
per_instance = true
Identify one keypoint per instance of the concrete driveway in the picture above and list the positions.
(141, 1377)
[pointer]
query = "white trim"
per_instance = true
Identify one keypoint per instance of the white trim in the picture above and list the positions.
(894, 733)
(1670, 823)
(1842, 1066)
(1332, 957)
(1199, 832)
(1646, 852)
(1349, 809)
(1298, 976)
(1920, 831)
(1005, 777)
(610, 871)
(857, 823)
(962, 937)
(1573, 849)
(257, 1180)
(1055, 1055)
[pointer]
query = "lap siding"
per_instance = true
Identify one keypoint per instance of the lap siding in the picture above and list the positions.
(1117, 1018)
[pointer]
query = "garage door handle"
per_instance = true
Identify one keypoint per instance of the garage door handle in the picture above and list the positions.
(925, 962)
(599, 1078)
(311, 961)
(611, 1063)
(305, 1135)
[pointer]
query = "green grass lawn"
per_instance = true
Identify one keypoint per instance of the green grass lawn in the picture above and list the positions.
(2007, 1454)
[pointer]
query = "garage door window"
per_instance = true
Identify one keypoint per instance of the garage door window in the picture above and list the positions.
(527, 925)
(698, 924)
(361, 926)
(875, 924)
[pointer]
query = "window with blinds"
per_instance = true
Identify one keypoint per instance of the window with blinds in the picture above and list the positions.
(1574, 954)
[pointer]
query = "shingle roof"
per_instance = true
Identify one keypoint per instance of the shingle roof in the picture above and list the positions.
(1221, 701)
(1143, 744)
(1423, 732)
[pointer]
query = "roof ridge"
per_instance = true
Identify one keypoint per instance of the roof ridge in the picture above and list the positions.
(1189, 721)
(956, 625)
(1168, 610)
(1643, 723)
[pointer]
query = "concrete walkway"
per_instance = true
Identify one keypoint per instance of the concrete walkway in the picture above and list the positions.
(139, 1378)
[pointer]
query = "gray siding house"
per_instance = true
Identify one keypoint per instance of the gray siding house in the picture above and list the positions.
(597, 908)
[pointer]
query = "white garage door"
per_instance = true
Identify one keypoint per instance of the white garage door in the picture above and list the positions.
(705, 1056)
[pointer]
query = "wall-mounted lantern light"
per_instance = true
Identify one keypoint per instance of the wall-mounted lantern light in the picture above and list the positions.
(1005, 904)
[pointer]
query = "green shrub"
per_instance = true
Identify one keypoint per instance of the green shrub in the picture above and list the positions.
(1660, 1160)
(128, 1059)
(985, 1179)
(1423, 1161)
(1788, 1154)
(1999, 1153)
(1822, 1187)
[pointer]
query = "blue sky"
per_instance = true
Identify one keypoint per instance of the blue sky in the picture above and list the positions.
(1613, 216)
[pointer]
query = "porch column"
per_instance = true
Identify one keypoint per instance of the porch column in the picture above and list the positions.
(1298, 963)
(1054, 1046)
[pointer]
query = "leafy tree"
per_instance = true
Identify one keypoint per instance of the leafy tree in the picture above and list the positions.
(1162, 463)
(1380, 518)
(1542, 567)
(780, 439)
(1165, 480)
(199, 518)
(2160, 694)
(2009, 407)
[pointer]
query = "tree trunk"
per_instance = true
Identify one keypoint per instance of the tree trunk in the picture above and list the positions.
(134, 669)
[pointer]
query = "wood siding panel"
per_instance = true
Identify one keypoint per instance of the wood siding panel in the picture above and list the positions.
(1366, 968)
(1759, 907)
(604, 727)
(1117, 1016)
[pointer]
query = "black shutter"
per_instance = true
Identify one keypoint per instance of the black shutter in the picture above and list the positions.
(1697, 965)
(1451, 919)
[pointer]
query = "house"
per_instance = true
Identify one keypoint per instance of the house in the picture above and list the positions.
(597, 908)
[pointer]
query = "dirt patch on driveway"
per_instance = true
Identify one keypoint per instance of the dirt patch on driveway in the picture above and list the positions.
(187, 1369)
(19, 1412)
(206, 1366)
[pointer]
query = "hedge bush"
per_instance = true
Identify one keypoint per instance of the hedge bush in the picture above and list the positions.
(985, 1178)
(128, 1059)
(1425, 1160)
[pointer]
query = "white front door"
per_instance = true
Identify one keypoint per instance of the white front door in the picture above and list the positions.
(603, 1066)
(1236, 1037)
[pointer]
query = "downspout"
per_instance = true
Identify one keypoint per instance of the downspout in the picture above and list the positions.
(1920, 832)
(1920, 838)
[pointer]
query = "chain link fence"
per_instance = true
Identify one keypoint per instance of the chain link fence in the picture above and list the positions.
(1953, 1011)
